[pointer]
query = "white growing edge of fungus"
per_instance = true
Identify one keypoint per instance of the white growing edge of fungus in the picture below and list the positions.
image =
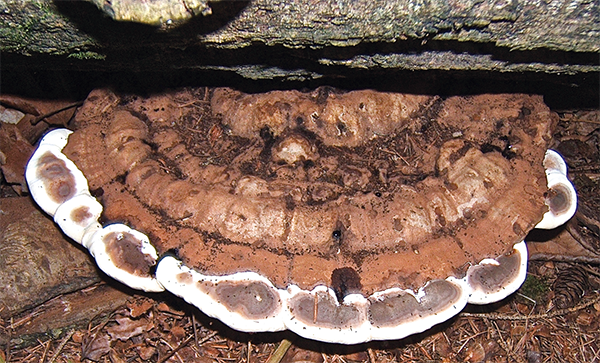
(249, 302)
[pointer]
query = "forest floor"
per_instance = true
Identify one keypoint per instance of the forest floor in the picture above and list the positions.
(554, 317)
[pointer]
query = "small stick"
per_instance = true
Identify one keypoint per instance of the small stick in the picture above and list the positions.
(534, 316)
(46, 349)
(195, 330)
(584, 121)
(372, 358)
(52, 113)
(548, 257)
(175, 350)
(316, 308)
(278, 354)
(183, 344)
(61, 346)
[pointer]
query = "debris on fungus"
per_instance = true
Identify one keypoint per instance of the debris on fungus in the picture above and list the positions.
(342, 216)
(61, 190)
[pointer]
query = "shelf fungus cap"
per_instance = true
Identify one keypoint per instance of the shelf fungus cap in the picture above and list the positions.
(397, 313)
(52, 178)
(57, 138)
(306, 176)
(317, 314)
(76, 215)
(245, 301)
(125, 255)
(554, 163)
(561, 198)
(492, 280)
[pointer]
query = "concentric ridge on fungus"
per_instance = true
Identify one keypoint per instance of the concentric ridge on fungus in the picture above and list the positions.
(344, 217)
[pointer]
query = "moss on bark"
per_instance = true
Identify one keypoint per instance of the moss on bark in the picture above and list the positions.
(266, 39)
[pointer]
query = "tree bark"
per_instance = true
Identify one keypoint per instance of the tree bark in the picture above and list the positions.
(300, 40)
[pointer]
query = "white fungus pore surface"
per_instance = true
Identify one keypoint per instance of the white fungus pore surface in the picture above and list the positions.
(250, 302)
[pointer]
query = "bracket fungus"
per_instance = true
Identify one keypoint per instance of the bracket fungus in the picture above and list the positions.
(342, 216)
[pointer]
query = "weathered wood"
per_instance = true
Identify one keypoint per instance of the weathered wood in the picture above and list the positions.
(38, 263)
(56, 317)
(152, 11)
(266, 39)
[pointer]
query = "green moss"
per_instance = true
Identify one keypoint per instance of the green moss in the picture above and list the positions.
(87, 55)
(36, 26)
(534, 288)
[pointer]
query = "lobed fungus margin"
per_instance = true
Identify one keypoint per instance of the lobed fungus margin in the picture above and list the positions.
(306, 213)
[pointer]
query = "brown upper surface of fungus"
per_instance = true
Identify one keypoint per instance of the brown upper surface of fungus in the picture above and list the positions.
(396, 189)
(57, 178)
(125, 251)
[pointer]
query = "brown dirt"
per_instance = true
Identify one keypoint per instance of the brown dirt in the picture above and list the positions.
(378, 182)
(527, 327)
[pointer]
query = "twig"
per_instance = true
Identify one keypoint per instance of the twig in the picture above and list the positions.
(278, 354)
(175, 350)
(207, 338)
(467, 339)
(52, 113)
(46, 349)
(504, 344)
(61, 346)
(192, 103)
(591, 270)
(423, 351)
(372, 358)
(548, 257)
(195, 330)
(183, 344)
(534, 316)
(585, 121)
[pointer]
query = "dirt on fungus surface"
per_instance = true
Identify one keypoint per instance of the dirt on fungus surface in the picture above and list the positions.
(531, 326)
(394, 189)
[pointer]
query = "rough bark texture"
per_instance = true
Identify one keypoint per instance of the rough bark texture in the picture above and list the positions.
(38, 262)
(266, 39)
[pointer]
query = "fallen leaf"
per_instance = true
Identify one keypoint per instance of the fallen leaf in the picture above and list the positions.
(178, 332)
(77, 337)
(146, 352)
(441, 346)
(114, 358)
(208, 351)
(357, 357)
(299, 355)
(128, 328)
(93, 347)
(138, 308)
(543, 331)
(167, 309)
(491, 349)
(474, 352)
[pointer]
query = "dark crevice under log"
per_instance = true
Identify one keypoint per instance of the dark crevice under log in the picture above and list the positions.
(294, 41)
